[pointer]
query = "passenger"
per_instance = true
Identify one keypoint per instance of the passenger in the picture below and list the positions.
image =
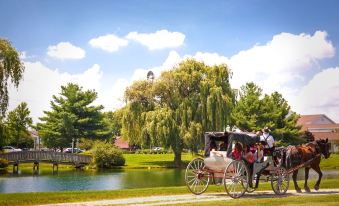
(248, 155)
(249, 159)
(223, 146)
(259, 153)
(236, 153)
(213, 146)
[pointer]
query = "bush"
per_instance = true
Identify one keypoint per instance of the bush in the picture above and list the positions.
(105, 155)
(3, 163)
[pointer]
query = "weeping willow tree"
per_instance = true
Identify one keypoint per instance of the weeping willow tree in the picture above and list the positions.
(11, 70)
(175, 109)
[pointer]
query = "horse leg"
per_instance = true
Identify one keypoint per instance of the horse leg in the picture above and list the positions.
(294, 176)
(307, 170)
(317, 169)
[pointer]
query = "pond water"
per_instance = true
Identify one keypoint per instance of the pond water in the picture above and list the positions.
(25, 181)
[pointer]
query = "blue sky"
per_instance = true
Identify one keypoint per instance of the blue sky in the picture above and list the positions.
(232, 32)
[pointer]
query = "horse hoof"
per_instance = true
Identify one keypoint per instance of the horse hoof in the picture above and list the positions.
(307, 189)
(316, 188)
(298, 190)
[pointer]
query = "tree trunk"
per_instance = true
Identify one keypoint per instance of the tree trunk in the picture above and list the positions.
(177, 159)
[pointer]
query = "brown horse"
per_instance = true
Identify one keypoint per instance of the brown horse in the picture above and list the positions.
(310, 155)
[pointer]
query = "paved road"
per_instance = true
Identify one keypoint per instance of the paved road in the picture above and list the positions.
(188, 198)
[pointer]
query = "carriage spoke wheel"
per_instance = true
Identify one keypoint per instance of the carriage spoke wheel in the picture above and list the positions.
(197, 177)
(280, 181)
(236, 179)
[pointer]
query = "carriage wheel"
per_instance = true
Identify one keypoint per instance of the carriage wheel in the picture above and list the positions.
(197, 177)
(236, 179)
(280, 181)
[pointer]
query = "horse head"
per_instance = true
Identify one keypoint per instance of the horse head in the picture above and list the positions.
(324, 147)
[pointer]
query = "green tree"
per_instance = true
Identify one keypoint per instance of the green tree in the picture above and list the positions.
(11, 68)
(247, 113)
(114, 119)
(72, 117)
(278, 116)
(253, 111)
(175, 109)
(3, 132)
(18, 123)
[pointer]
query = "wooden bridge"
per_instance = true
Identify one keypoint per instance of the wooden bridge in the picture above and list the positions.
(56, 158)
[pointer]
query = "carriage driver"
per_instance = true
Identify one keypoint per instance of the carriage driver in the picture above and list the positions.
(268, 140)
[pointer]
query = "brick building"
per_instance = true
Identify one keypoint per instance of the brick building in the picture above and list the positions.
(321, 126)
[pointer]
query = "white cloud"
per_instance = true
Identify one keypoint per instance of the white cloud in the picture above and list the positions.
(211, 58)
(159, 40)
(320, 95)
(40, 83)
(274, 66)
(65, 50)
(286, 59)
(109, 42)
(281, 60)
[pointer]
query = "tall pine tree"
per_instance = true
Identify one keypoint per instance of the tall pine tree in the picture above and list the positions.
(254, 111)
(18, 123)
(72, 117)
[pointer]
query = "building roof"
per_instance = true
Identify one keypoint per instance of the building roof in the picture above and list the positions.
(314, 119)
(120, 143)
(320, 125)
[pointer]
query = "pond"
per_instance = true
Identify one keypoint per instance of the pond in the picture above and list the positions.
(25, 181)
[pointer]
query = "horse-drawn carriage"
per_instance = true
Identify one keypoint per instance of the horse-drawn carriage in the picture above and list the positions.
(239, 175)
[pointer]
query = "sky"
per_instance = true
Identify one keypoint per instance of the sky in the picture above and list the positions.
(285, 46)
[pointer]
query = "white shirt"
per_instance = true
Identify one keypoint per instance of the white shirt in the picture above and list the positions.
(268, 138)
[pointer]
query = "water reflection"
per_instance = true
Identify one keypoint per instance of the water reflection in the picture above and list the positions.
(26, 181)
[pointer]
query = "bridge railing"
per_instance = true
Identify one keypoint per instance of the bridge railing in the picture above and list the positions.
(57, 157)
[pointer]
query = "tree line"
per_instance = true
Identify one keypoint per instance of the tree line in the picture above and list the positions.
(173, 110)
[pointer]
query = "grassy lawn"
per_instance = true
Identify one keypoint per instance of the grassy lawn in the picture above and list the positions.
(166, 161)
(153, 160)
(77, 196)
(331, 163)
(329, 200)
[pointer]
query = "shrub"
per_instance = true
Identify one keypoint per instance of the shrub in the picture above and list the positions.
(3, 163)
(105, 155)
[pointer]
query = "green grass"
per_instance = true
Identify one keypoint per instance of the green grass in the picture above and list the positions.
(272, 200)
(331, 163)
(79, 196)
(153, 160)
(166, 161)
